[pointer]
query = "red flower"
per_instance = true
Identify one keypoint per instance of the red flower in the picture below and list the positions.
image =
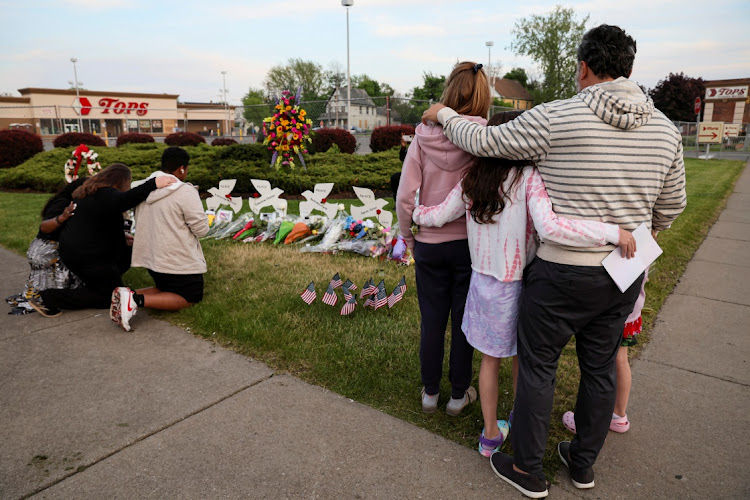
(323, 200)
(377, 211)
(255, 195)
(229, 197)
(351, 233)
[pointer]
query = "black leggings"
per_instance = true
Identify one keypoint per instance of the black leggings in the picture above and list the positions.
(443, 273)
(99, 279)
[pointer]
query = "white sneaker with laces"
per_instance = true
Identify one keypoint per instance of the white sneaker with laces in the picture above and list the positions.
(123, 307)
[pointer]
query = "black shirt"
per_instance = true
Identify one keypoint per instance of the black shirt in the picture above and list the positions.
(95, 232)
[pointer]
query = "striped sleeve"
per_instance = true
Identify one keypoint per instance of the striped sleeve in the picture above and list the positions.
(672, 199)
(525, 138)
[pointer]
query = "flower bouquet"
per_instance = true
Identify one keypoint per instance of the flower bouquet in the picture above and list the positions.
(288, 131)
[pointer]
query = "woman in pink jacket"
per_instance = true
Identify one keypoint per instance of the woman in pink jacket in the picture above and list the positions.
(434, 166)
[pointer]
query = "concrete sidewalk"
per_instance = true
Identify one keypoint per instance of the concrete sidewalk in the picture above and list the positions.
(89, 411)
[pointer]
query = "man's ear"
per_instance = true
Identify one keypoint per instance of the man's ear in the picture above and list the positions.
(583, 73)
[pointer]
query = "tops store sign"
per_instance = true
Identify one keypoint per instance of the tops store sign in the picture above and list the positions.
(736, 92)
(83, 106)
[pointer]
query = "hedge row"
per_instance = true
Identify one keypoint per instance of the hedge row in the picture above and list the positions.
(208, 165)
(17, 146)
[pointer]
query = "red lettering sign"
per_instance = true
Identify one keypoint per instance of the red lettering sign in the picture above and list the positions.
(119, 107)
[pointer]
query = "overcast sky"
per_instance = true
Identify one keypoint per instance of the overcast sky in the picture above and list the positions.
(181, 47)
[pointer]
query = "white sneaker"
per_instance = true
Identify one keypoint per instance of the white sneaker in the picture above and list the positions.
(123, 307)
(429, 403)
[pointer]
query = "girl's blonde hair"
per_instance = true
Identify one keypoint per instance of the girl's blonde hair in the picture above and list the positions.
(467, 90)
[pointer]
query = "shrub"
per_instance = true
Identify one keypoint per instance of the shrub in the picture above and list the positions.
(17, 146)
(323, 139)
(208, 165)
(184, 139)
(74, 139)
(223, 141)
(387, 137)
(134, 138)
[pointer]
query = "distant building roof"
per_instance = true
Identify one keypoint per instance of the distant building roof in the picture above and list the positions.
(511, 89)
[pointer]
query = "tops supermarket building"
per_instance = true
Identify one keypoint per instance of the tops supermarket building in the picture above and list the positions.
(110, 114)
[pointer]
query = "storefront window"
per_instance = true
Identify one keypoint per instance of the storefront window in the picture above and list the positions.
(132, 125)
(71, 125)
(145, 125)
(92, 126)
(49, 126)
(157, 126)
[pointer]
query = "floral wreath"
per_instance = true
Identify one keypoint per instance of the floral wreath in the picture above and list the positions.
(287, 131)
(74, 162)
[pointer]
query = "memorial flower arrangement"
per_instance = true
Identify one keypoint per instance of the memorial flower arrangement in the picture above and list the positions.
(287, 132)
(79, 154)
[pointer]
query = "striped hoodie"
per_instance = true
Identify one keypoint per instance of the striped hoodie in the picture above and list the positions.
(605, 155)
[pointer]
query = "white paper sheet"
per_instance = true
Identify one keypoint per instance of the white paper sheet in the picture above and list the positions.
(625, 271)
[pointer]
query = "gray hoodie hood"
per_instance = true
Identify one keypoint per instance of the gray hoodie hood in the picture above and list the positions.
(620, 103)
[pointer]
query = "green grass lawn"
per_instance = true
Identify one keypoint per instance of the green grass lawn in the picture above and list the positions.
(252, 305)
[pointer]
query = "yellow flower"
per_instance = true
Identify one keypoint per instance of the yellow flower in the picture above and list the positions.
(302, 113)
(288, 108)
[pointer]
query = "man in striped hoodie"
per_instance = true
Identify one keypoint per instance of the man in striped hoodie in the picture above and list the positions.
(608, 155)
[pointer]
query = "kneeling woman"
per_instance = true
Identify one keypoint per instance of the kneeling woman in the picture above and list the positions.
(93, 243)
(47, 269)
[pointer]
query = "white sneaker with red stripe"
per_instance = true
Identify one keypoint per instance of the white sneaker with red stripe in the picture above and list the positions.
(123, 307)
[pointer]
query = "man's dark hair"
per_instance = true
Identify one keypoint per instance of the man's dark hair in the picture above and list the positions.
(174, 158)
(608, 51)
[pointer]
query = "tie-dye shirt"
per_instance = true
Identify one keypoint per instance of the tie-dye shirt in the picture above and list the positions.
(503, 248)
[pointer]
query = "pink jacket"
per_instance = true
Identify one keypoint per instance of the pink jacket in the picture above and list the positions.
(434, 166)
(502, 249)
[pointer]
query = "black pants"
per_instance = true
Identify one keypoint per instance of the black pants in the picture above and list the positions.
(99, 279)
(443, 272)
(559, 301)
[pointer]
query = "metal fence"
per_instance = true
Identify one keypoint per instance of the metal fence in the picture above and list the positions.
(737, 144)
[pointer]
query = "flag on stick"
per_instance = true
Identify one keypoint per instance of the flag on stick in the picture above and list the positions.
(402, 284)
(347, 292)
(395, 296)
(336, 281)
(381, 299)
(367, 289)
(309, 294)
(330, 296)
(348, 284)
(349, 306)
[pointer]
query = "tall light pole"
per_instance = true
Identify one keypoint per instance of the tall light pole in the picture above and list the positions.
(489, 45)
(347, 4)
(226, 107)
(78, 96)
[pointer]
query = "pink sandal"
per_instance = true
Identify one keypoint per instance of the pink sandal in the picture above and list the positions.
(619, 425)
(569, 421)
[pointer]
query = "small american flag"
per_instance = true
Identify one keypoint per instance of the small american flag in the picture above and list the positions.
(369, 301)
(381, 286)
(309, 294)
(402, 284)
(330, 296)
(381, 299)
(336, 281)
(395, 296)
(347, 292)
(349, 306)
(348, 284)
(367, 289)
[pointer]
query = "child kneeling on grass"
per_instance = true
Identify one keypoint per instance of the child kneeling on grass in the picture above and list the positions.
(168, 225)
(500, 198)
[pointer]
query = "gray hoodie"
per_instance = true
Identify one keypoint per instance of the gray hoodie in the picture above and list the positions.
(605, 154)
(167, 227)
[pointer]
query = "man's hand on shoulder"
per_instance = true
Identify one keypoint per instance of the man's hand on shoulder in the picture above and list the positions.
(429, 117)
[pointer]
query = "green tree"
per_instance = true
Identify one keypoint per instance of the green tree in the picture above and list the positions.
(551, 40)
(432, 89)
(371, 86)
(257, 105)
(294, 73)
(519, 75)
